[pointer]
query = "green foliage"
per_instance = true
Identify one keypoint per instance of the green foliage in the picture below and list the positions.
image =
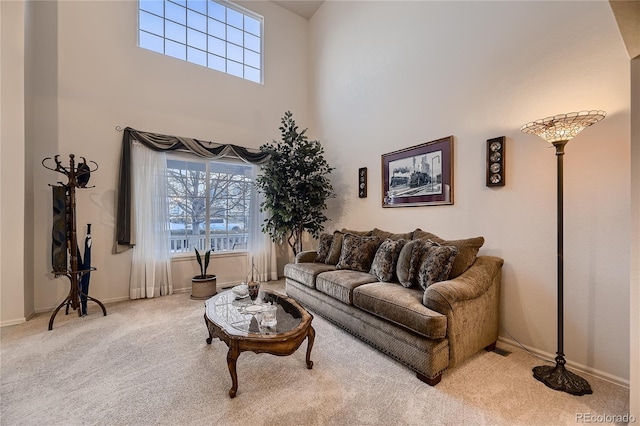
(203, 268)
(295, 186)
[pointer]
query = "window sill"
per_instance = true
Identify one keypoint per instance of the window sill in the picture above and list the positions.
(183, 257)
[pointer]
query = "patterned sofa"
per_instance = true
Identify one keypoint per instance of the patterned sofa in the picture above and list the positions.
(425, 301)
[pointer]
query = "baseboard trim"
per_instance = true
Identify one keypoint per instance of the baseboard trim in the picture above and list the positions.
(9, 323)
(573, 365)
(219, 286)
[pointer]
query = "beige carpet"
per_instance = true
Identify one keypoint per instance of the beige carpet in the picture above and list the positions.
(147, 363)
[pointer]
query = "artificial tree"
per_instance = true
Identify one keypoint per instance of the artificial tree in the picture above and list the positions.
(294, 185)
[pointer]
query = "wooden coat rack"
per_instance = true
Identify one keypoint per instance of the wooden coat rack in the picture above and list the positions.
(77, 177)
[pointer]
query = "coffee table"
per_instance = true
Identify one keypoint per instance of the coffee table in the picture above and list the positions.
(237, 323)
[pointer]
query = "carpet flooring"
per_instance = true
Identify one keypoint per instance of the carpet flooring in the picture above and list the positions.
(147, 363)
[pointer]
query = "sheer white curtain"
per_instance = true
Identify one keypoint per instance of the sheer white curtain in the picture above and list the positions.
(150, 264)
(262, 251)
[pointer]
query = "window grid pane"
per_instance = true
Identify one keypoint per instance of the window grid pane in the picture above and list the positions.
(175, 13)
(196, 56)
(151, 23)
(175, 50)
(223, 37)
(196, 39)
(151, 42)
(175, 32)
(196, 21)
(197, 5)
(155, 7)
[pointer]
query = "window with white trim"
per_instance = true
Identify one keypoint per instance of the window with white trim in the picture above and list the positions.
(209, 204)
(218, 35)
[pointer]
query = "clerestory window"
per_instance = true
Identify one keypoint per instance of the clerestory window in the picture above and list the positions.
(218, 35)
(210, 204)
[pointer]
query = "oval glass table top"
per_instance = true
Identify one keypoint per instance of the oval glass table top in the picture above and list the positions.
(241, 316)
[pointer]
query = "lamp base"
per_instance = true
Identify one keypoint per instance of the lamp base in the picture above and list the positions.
(559, 378)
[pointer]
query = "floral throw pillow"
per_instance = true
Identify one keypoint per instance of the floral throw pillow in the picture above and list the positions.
(358, 252)
(384, 262)
(336, 247)
(405, 269)
(324, 245)
(436, 263)
(467, 250)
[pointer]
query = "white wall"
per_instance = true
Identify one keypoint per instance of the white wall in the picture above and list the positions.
(14, 300)
(97, 79)
(390, 75)
(635, 240)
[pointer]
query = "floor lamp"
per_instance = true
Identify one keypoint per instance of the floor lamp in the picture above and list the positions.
(558, 130)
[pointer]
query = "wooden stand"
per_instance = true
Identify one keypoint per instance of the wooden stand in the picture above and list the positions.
(77, 177)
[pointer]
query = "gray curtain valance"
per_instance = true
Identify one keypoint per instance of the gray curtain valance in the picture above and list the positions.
(159, 142)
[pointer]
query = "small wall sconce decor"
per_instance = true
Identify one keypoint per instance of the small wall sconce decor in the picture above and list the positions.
(362, 182)
(495, 161)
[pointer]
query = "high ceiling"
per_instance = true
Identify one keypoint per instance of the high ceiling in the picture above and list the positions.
(627, 15)
(304, 8)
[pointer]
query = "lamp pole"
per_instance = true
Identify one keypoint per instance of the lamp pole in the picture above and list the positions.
(560, 252)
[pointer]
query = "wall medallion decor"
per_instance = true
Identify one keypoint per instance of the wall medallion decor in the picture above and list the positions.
(495, 161)
(362, 182)
(419, 176)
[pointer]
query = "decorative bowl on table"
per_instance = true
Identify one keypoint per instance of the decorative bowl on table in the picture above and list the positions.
(240, 291)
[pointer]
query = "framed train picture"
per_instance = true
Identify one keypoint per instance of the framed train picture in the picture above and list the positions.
(421, 175)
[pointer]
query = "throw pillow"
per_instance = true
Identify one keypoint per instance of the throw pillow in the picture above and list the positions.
(403, 267)
(324, 245)
(419, 234)
(436, 263)
(336, 247)
(358, 252)
(361, 233)
(384, 262)
(385, 234)
(467, 250)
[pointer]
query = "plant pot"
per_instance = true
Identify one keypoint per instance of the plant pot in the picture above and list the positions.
(203, 288)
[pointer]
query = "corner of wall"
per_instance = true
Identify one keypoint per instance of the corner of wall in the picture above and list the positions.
(634, 284)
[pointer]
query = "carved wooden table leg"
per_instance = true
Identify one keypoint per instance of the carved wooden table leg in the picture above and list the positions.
(232, 357)
(311, 335)
(206, 323)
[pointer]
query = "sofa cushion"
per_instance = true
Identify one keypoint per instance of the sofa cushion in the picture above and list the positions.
(358, 252)
(361, 233)
(306, 273)
(384, 235)
(419, 234)
(386, 258)
(467, 250)
(402, 306)
(407, 265)
(324, 245)
(435, 263)
(336, 248)
(340, 284)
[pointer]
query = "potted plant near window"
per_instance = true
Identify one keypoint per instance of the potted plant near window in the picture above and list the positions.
(203, 286)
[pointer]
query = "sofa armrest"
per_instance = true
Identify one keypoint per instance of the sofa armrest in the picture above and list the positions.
(306, 257)
(474, 282)
(471, 303)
